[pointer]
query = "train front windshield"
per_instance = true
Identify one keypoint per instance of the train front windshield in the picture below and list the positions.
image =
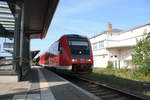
(79, 48)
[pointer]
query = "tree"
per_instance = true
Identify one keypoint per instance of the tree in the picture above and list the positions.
(141, 55)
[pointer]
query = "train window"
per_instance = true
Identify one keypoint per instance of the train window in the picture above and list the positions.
(78, 43)
(54, 48)
(79, 48)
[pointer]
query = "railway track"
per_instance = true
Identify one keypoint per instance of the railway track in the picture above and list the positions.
(101, 90)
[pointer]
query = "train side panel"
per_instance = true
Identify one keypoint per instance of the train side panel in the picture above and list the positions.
(54, 54)
(44, 59)
(53, 60)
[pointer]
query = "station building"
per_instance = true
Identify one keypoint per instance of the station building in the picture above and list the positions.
(116, 45)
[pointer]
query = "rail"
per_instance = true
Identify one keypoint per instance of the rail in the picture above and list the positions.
(135, 97)
(102, 90)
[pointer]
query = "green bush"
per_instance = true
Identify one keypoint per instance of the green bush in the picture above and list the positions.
(145, 70)
(141, 55)
(110, 65)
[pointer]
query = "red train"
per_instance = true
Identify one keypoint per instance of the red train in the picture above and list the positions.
(71, 52)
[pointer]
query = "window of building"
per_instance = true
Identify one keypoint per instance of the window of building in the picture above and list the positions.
(101, 44)
(95, 47)
(110, 34)
(145, 30)
(98, 45)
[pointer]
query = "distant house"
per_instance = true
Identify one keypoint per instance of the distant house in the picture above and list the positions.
(116, 45)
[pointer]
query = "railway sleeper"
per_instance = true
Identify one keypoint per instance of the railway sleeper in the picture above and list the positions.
(121, 98)
(103, 93)
(112, 97)
(95, 91)
(92, 86)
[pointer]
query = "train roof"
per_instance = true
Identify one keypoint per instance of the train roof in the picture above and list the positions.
(73, 36)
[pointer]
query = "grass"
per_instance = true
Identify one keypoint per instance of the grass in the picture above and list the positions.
(123, 78)
(123, 73)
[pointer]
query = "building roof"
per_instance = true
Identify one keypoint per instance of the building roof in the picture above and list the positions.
(114, 30)
(137, 27)
(108, 31)
(119, 30)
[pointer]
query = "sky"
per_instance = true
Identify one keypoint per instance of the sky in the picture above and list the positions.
(90, 17)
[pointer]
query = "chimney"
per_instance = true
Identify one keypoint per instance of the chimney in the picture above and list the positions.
(109, 26)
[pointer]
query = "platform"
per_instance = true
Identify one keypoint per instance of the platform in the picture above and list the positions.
(42, 84)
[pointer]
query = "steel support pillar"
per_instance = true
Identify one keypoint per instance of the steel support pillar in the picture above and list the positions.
(22, 34)
(26, 55)
(18, 41)
(21, 44)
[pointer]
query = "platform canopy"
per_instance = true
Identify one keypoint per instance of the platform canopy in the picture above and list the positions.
(37, 17)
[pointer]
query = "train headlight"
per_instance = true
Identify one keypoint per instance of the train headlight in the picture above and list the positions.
(74, 60)
(89, 60)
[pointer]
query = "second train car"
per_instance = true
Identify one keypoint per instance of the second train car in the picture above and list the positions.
(71, 52)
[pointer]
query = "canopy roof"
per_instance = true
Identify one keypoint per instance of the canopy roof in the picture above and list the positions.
(37, 17)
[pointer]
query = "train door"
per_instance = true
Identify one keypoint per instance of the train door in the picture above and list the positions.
(64, 53)
(61, 53)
